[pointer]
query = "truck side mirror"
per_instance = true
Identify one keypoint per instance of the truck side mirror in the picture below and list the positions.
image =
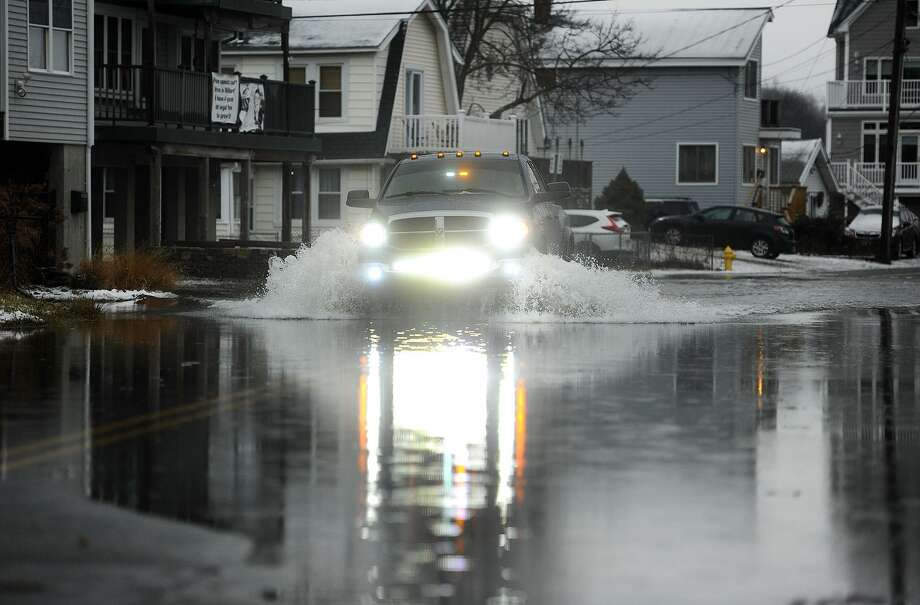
(359, 198)
(558, 191)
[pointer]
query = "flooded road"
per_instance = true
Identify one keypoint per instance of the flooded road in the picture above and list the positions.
(756, 462)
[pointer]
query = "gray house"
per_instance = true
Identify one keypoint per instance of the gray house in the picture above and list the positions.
(45, 109)
(696, 130)
(857, 100)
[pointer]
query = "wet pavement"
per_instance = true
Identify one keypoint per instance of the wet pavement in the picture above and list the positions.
(774, 458)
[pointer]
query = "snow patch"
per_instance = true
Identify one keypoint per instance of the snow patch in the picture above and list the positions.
(17, 317)
(62, 294)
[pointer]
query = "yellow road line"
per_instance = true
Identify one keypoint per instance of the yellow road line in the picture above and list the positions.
(155, 425)
(118, 424)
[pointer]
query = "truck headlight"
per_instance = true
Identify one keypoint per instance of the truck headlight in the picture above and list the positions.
(373, 235)
(507, 232)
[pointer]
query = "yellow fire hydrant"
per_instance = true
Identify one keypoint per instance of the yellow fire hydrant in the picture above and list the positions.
(728, 256)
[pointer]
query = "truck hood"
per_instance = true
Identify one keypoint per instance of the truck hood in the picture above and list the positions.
(454, 204)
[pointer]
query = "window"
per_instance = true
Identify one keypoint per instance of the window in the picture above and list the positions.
(875, 140)
(113, 46)
(297, 75)
(330, 194)
(751, 80)
(50, 34)
(535, 179)
(746, 216)
(912, 18)
(330, 91)
(581, 220)
(413, 92)
(697, 163)
(718, 214)
(876, 70)
(749, 164)
(774, 156)
(297, 192)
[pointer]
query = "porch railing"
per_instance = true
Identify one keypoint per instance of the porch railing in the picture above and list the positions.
(171, 97)
(866, 94)
(424, 133)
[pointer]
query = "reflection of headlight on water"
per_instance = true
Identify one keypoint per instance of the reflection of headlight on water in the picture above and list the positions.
(507, 232)
(452, 266)
(373, 235)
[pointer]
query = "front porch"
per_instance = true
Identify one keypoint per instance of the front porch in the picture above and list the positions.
(870, 94)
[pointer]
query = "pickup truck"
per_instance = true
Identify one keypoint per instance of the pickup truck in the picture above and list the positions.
(460, 218)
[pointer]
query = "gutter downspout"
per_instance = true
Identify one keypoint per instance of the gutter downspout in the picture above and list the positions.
(90, 124)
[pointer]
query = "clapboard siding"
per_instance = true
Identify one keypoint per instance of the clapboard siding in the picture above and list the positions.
(748, 129)
(422, 52)
(871, 36)
(692, 105)
(55, 108)
(266, 196)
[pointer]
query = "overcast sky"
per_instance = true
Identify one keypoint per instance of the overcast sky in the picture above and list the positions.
(794, 43)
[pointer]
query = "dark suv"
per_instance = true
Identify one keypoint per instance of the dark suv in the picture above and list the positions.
(765, 234)
(460, 218)
(671, 206)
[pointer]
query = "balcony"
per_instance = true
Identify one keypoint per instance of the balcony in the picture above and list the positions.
(870, 94)
(427, 133)
(907, 175)
(134, 95)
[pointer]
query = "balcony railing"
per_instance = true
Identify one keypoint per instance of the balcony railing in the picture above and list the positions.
(425, 133)
(137, 94)
(863, 174)
(870, 94)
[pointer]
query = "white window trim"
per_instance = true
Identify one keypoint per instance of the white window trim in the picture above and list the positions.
(755, 148)
(878, 60)
(421, 96)
(744, 92)
(677, 180)
(343, 90)
(49, 43)
(314, 197)
(136, 34)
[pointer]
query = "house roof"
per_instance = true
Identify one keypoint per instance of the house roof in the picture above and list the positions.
(799, 158)
(334, 33)
(842, 12)
(693, 36)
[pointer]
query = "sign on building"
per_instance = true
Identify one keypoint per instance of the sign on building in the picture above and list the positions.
(252, 107)
(225, 98)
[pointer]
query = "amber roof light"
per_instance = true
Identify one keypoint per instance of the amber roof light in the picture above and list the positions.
(506, 154)
(477, 154)
(459, 154)
(440, 155)
(414, 156)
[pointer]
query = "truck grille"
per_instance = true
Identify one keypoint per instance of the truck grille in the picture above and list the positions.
(422, 233)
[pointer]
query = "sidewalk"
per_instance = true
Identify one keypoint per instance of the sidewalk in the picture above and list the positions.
(792, 264)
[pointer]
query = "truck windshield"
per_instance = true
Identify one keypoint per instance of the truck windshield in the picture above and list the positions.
(449, 176)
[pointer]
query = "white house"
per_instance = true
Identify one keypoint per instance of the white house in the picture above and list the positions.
(806, 163)
(385, 87)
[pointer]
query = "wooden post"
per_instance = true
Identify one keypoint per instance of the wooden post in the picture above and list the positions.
(156, 198)
(305, 222)
(286, 202)
(205, 211)
(244, 200)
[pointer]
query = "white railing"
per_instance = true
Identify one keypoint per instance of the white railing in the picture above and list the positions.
(425, 133)
(853, 94)
(907, 175)
(857, 186)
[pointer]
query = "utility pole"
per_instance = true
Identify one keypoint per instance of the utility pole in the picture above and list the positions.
(894, 119)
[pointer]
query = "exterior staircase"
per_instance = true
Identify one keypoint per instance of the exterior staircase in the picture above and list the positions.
(859, 189)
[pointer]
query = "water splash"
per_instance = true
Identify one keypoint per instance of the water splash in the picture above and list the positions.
(322, 282)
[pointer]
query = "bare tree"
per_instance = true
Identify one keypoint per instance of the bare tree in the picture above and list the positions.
(798, 109)
(561, 58)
